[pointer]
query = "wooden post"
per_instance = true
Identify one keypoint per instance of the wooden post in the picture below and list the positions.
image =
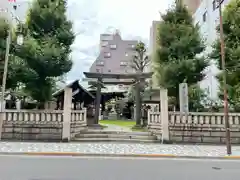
(138, 104)
(98, 101)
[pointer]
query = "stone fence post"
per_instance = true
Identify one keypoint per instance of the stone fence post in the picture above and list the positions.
(67, 108)
(164, 114)
(85, 115)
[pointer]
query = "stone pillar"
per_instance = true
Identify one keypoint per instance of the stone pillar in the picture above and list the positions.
(134, 111)
(82, 105)
(85, 115)
(66, 131)
(3, 105)
(164, 114)
(18, 105)
(149, 117)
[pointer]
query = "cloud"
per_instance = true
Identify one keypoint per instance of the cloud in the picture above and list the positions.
(92, 17)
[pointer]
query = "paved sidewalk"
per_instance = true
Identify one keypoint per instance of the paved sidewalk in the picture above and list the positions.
(116, 148)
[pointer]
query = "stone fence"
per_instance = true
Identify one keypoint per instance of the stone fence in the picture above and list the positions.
(41, 125)
(196, 127)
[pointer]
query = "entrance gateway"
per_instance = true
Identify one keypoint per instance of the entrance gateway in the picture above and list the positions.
(99, 80)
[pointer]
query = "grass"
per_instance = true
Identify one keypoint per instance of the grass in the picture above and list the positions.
(122, 123)
(119, 123)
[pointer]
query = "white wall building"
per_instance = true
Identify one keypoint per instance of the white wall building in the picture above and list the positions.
(207, 17)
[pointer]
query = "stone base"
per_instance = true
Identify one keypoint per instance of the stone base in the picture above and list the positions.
(112, 116)
(65, 140)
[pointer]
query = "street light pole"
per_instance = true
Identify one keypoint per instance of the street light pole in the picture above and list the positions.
(4, 80)
(227, 126)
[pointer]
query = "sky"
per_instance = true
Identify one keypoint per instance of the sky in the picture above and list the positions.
(92, 17)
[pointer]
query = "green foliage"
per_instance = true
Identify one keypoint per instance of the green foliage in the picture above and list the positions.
(179, 43)
(3, 35)
(15, 64)
(231, 30)
(46, 47)
(197, 98)
(140, 61)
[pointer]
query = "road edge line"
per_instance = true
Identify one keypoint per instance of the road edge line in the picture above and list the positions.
(118, 155)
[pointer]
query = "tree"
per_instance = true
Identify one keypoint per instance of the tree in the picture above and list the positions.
(139, 63)
(197, 98)
(178, 57)
(46, 47)
(15, 64)
(231, 31)
(140, 60)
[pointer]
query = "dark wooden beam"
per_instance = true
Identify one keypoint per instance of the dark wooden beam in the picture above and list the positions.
(118, 76)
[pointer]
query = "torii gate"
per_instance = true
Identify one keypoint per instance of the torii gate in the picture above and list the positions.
(127, 79)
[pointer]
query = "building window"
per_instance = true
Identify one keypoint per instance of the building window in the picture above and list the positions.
(109, 70)
(123, 63)
(107, 54)
(98, 70)
(104, 43)
(113, 46)
(100, 63)
(214, 5)
(205, 16)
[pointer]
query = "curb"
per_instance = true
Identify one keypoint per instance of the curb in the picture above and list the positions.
(118, 155)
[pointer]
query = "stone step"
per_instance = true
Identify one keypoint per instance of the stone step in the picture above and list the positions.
(116, 132)
(115, 140)
(116, 136)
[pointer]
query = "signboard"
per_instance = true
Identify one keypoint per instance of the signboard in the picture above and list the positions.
(183, 97)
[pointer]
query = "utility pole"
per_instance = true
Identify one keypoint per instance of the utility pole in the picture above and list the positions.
(4, 80)
(227, 126)
(5, 72)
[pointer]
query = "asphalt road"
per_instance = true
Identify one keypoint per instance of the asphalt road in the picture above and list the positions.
(96, 168)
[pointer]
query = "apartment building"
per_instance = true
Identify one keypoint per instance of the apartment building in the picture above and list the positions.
(207, 17)
(115, 55)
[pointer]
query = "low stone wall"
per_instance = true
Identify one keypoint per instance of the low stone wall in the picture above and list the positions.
(78, 122)
(197, 127)
(203, 128)
(32, 131)
(40, 125)
(154, 123)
